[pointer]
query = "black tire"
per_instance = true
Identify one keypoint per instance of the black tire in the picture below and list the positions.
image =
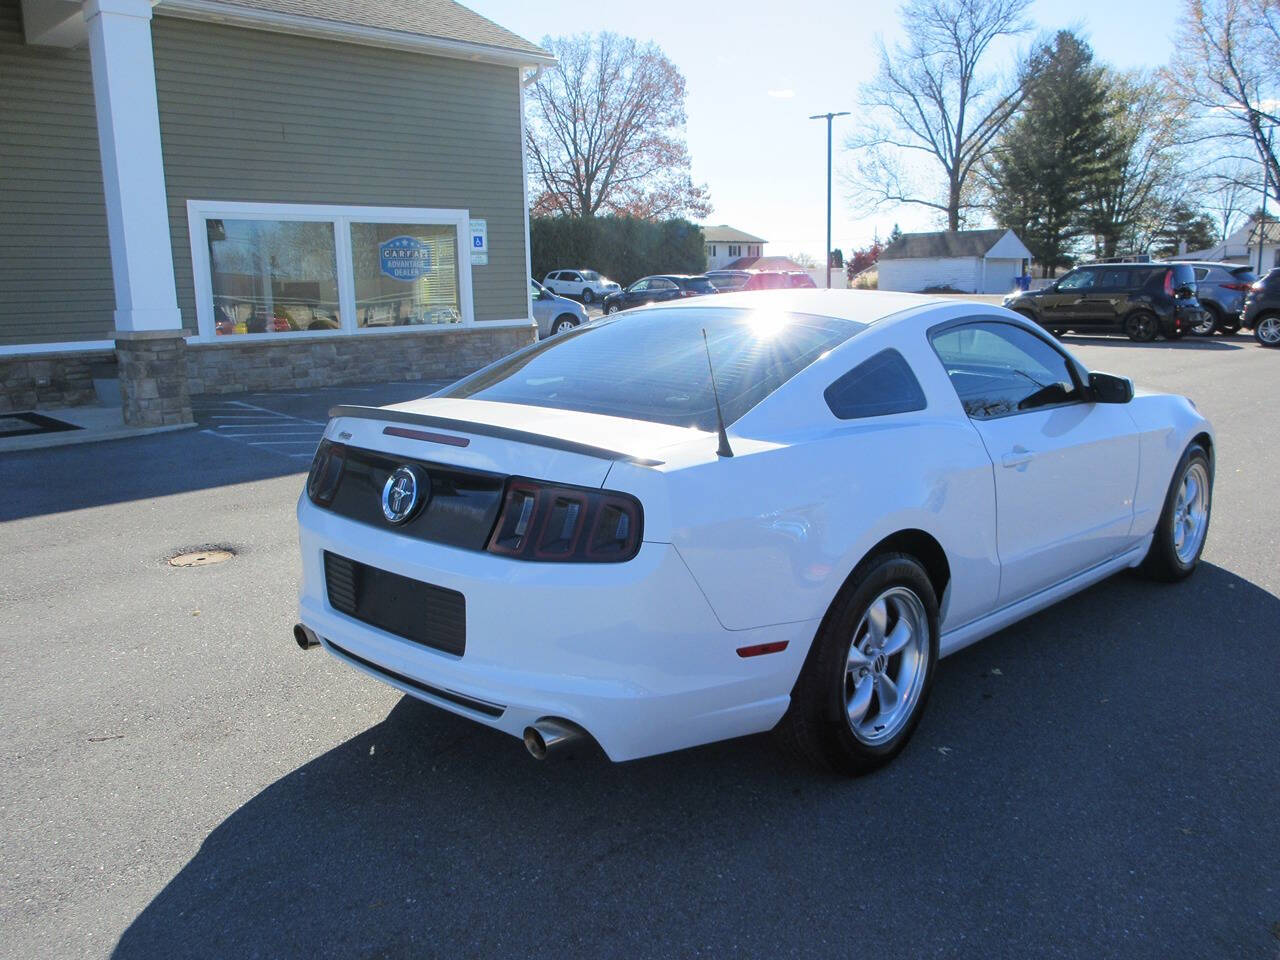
(612, 308)
(566, 321)
(1163, 561)
(817, 725)
(1266, 329)
(588, 296)
(1141, 326)
(1230, 326)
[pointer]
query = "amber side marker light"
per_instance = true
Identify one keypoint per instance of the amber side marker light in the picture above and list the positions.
(761, 648)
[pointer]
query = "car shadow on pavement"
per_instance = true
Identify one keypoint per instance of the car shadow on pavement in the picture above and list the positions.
(1089, 776)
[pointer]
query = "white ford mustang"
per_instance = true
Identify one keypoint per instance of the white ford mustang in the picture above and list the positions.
(714, 518)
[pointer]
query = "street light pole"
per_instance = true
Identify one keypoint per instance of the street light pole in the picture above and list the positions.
(1266, 188)
(829, 117)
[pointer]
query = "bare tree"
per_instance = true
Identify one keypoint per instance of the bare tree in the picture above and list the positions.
(1226, 79)
(1231, 192)
(931, 114)
(1131, 203)
(606, 132)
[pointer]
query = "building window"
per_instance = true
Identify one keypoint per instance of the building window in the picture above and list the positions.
(405, 274)
(295, 270)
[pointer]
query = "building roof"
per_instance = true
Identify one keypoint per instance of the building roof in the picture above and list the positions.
(723, 233)
(763, 263)
(1270, 232)
(444, 21)
(943, 243)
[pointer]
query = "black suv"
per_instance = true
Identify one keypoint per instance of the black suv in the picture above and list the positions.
(1262, 309)
(666, 286)
(1142, 300)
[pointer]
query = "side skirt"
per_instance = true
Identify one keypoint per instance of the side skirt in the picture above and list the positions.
(997, 620)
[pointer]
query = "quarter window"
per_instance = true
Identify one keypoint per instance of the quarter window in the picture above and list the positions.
(876, 387)
(999, 369)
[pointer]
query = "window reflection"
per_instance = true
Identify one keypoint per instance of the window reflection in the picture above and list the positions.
(273, 276)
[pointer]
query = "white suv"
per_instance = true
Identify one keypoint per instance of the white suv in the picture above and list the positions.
(586, 285)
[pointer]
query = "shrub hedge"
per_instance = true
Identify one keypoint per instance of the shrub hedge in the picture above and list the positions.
(621, 248)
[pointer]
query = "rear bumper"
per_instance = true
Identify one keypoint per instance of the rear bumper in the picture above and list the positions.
(631, 652)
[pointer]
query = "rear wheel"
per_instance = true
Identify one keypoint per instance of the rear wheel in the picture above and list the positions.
(867, 677)
(1211, 322)
(1141, 326)
(1184, 521)
(563, 323)
(1266, 330)
(612, 308)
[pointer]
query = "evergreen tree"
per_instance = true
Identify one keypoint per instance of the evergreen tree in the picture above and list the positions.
(1185, 223)
(1040, 173)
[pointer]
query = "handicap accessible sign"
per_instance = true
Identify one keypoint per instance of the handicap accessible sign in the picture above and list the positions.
(404, 258)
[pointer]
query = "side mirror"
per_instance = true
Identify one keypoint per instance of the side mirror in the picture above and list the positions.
(546, 295)
(1108, 388)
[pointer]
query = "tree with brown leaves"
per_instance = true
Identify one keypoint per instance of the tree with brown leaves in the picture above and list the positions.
(606, 132)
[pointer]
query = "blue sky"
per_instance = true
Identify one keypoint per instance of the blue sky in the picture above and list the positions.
(756, 70)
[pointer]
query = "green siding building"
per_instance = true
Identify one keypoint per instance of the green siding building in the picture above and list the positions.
(207, 196)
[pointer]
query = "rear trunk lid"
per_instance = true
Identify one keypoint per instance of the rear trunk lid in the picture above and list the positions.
(543, 443)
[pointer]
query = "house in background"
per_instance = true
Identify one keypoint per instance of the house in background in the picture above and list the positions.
(1242, 246)
(968, 261)
(726, 244)
(218, 195)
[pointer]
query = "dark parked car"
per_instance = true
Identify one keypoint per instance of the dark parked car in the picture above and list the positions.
(667, 286)
(1221, 289)
(1262, 309)
(1142, 300)
(729, 280)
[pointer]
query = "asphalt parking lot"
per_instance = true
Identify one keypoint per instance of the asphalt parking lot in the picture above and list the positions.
(178, 779)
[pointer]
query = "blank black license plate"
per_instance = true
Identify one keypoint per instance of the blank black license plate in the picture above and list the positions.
(433, 616)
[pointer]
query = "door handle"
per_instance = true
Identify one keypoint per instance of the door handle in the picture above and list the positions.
(1020, 457)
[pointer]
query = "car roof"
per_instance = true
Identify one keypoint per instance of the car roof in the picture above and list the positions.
(860, 306)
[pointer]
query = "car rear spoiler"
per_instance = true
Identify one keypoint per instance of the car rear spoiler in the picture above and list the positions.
(490, 430)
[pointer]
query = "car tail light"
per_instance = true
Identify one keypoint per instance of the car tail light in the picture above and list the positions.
(326, 471)
(1168, 283)
(1236, 286)
(545, 522)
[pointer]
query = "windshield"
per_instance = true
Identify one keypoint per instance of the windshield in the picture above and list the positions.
(652, 365)
(589, 275)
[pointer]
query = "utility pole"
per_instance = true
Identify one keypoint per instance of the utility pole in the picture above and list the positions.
(829, 117)
(1266, 188)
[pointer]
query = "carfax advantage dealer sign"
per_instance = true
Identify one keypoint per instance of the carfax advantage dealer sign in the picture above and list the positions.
(404, 258)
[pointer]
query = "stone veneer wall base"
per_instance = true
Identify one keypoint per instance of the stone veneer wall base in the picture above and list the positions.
(50, 380)
(243, 364)
(153, 378)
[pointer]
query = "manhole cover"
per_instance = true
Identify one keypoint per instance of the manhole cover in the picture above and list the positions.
(201, 558)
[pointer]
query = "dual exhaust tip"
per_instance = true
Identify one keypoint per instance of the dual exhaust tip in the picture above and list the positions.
(542, 737)
(305, 637)
(552, 734)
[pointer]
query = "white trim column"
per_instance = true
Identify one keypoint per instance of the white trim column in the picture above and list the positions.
(124, 91)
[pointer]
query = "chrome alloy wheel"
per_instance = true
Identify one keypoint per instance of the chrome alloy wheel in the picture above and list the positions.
(1268, 331)
(1206, 326)
(886, 665)
(1191, 512)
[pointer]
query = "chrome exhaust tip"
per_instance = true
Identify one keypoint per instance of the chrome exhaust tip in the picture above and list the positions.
(305, 637)
(550, 733)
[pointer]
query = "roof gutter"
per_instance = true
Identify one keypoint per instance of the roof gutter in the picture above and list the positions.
(217, 11)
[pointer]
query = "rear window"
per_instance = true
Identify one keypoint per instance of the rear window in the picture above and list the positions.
(700, 285)
(652, 365)
(1183, 273)
(1244, 275)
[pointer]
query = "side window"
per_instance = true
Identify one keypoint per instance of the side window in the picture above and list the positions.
(876, 387)
(1078, 280)
(570, 276)
(661, 284)
(1114, 280)
(998, 369)
(1201, 273)
(640, 286)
